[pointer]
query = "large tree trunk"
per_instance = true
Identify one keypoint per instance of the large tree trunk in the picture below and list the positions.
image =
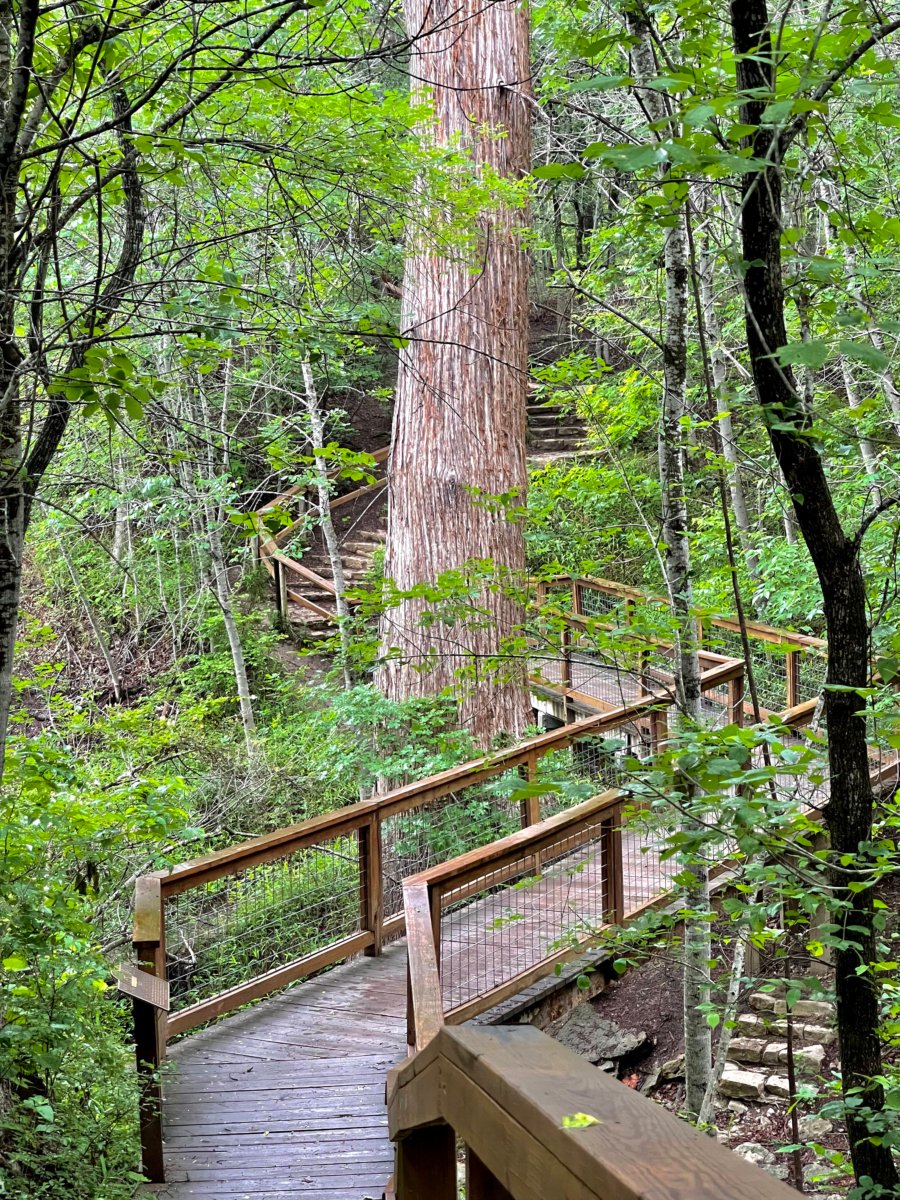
(459, 422)
(836, 559)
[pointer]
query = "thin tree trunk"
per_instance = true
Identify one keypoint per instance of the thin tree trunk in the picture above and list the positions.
(220, 587)
(719, 372)
(697, 947)
(459, 420)
(317, 423)
(99, 636)
(706, 1114)
(222, 593)
(836, 558)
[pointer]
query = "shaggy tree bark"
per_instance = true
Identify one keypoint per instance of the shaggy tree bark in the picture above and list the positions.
(835, 555)
(459, 421)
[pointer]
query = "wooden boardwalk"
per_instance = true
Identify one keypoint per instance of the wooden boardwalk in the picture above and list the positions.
(287, 1097)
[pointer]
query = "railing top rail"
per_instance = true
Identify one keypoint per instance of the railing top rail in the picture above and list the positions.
(333, 824)
(507, 1091)
(514, 846)
(768, 633)
(344, 820)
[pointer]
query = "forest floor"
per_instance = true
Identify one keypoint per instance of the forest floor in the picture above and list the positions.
(647, 999)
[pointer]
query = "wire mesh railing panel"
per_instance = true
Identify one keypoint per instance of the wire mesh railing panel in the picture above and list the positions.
(594, 764)
(646, 874)
(813, 669)
(422, 837)
(523, 913)
(596, 604)
(610, 675)
(768, 660)
(233, 929)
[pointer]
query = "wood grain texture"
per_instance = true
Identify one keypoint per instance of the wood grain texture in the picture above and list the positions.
(287, 1098)
(506, 1092)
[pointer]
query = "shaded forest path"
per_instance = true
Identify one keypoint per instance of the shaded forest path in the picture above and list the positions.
(494, 884)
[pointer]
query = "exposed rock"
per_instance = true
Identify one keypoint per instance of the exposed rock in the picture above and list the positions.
(751, 1025)
(673, 1069)
(804, 1035)
(776, 1085)
(809, 1058)
(735, 1106)
(763, 1002)
(593, 1037)
(757, 1154)
(744, 1049)
(773, 1051)
(741, 1085)
(815, 1010)
(813, 1128)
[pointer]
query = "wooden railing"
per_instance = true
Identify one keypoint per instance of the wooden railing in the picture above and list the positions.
(522, 868)
(539, 1122)
(286, 570)
(339, 875)
(790, 667)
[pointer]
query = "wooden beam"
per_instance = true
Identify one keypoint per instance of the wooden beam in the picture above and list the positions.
(264, 985)
(426, 1164)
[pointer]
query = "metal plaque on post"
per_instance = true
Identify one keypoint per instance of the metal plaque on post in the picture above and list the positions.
(132, 981)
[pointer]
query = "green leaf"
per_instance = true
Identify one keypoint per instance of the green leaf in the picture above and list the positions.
(601, 83)
(810, 354)
(133, 407)
(559, 171)
(15, 962)
(864, 352)
(579, 1120)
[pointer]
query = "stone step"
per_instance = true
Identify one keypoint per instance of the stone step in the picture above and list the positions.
(754, 1051)
(743, 1084)
(766, 1027)
(821, 1011)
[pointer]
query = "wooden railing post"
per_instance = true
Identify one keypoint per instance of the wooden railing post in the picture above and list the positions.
(371, 891)
(149, 945)
(566, 651)
(531, 805)
(659, 729)
(280, 589)
(480, 1183)
(426, 1164)
(792, 671)
(613, 873)
(577, 599)
(736, 700)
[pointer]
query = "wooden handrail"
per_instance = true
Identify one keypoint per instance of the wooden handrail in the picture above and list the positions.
(766, 633)
(506, 1093)
(178, 878)
(427, 892)
(473, 863)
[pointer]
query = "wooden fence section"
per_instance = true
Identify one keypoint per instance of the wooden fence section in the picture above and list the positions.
(789, 667)
(509, 1095)
(286, 570)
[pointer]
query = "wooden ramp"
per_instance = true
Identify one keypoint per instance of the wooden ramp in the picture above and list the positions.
(287, 1098)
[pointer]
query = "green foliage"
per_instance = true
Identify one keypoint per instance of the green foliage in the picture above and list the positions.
(68, 1103)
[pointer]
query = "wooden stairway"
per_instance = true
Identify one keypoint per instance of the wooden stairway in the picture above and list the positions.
(360, 517)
